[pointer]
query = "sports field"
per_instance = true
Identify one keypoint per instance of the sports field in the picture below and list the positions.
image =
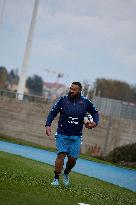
(27, 182)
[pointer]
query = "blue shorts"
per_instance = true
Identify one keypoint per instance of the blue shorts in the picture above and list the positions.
(69, 144)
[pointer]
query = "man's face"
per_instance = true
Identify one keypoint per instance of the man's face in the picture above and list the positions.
(74, 90)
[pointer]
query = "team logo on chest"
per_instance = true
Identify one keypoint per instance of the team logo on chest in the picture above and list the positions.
(73, 120)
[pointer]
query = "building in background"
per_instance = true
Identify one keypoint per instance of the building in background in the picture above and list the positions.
(54, 90)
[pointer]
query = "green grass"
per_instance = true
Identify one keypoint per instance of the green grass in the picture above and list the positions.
(27, 182)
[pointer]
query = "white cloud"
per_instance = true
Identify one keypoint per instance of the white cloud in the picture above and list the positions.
(127, 56)
(75, 29)
(17, 14)
(48, 47)
(113, 30)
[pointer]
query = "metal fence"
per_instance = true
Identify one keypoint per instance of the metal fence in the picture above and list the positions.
(115, 108)
(26, 97)
(108, 107)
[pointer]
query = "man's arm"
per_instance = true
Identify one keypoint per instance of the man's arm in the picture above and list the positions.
(52, 114)
(94, 112)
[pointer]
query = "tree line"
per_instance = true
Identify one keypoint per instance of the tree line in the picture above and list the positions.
(115, 89)
(7, 79)
(102, 87)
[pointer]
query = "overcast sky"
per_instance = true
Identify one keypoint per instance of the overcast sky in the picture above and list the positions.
(84, 39)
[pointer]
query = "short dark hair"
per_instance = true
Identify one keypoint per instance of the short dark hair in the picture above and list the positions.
(79, 84)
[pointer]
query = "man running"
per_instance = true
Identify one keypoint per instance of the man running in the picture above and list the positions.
(72, 109)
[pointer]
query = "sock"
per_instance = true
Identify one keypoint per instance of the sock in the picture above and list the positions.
(57, 174)
(68, 169)
(65, 172)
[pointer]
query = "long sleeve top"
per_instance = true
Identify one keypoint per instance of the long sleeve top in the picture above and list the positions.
(72, 112)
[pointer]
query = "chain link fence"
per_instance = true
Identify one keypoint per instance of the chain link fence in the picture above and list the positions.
(115, 108)
(26, 97)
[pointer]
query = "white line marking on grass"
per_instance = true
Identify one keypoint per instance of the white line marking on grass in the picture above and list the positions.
(82, 204)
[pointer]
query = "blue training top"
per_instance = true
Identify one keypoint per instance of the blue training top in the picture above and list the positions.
(72, 112)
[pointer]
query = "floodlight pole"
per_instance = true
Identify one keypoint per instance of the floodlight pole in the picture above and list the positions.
(2, 9)
(24, 67)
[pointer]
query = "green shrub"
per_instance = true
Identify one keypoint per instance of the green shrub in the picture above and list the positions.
(126, 153)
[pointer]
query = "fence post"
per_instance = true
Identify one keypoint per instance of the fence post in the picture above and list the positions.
(108, 135)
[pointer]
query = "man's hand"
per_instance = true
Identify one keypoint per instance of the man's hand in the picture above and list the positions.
(90, 125)
(48, 130)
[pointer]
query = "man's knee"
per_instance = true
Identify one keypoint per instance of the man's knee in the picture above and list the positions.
(72, 160)
(61, 155)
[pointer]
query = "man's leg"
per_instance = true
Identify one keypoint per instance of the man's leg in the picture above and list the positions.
(62, 149)
(73, 154)
(70, 164)
(59, 164)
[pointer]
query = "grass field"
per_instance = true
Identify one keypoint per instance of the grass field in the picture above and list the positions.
(27, 182)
